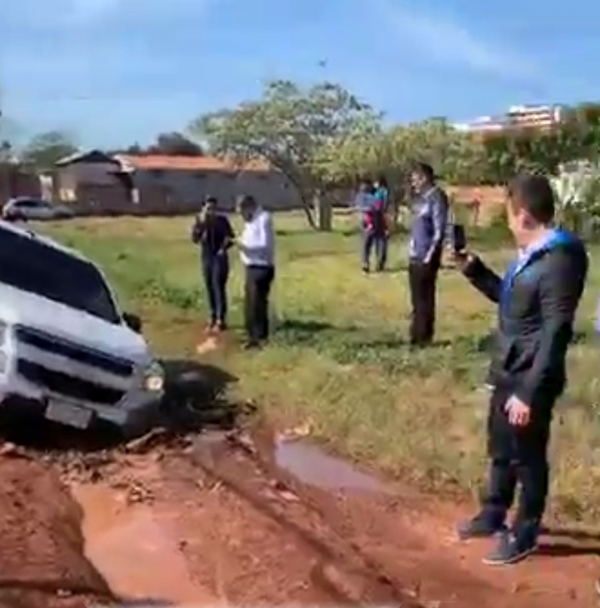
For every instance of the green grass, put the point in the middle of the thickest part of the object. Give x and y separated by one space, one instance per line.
338 359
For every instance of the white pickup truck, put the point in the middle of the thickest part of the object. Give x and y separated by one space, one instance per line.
66 350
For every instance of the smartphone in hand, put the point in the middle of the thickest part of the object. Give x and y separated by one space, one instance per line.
459 238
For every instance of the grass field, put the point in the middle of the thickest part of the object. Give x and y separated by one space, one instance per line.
338 358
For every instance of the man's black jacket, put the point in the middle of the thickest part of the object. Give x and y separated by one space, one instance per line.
537 302
215 236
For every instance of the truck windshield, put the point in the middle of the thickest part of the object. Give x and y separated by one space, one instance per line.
30 265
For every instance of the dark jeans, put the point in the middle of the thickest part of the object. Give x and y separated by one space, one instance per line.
216 272
256 301
379 242
517 456
422 282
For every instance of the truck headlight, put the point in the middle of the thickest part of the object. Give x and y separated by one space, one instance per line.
154 377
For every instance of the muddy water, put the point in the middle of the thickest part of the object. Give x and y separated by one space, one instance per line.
312 466
135 550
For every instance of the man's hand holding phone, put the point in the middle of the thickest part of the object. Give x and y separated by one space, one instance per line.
462 258
201 216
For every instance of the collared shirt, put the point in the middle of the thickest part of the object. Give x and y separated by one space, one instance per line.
524 255
257 241
430 218
539 243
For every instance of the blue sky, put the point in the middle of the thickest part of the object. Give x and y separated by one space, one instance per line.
112 72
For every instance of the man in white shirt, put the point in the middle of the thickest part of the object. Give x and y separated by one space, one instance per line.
257 249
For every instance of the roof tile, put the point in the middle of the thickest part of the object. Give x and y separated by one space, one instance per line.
188 163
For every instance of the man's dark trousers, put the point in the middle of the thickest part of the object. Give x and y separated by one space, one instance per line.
422 282
215 268
378 241
256 302
518 455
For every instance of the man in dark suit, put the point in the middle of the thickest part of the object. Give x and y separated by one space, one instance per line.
430 218
538 299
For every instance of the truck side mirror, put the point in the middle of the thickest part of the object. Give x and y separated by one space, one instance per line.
133 322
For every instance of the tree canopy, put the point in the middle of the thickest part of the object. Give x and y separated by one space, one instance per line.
169 144
45 149
291 127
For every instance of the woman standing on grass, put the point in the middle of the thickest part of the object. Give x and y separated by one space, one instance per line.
213 232
382 205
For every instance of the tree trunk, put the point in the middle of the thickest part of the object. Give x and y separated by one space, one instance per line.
323 208
309 212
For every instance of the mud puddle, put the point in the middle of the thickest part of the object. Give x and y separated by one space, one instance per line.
311 465
135 549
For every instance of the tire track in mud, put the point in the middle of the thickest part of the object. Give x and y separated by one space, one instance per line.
341 569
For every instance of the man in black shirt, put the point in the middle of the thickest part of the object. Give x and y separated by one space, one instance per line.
214 234
537 300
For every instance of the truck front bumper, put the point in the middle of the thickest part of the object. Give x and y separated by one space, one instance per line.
135 411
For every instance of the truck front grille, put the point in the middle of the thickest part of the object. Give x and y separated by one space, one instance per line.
70 386
43 341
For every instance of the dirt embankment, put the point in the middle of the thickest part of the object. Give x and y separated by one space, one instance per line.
41 548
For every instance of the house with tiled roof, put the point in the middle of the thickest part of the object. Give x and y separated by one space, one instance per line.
159 184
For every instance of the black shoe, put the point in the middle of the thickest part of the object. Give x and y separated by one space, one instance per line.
481 526
512 548
252 345
366 270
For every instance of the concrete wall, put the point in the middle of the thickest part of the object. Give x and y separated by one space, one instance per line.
70 177
184 189
94 188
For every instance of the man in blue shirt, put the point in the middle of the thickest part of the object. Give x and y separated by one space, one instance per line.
213 232
430 217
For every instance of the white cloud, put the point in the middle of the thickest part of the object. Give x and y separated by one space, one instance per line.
446 42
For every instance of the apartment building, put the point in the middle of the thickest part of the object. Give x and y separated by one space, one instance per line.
519 116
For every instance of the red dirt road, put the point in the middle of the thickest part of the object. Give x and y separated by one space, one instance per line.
213 521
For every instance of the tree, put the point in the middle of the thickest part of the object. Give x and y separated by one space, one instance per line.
292 128
134 150
577 188
174 144
44 150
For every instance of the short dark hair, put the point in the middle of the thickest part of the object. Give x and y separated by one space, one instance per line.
247 201
534 194
211 200
424 169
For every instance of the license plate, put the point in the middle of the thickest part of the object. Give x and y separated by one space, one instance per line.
66 413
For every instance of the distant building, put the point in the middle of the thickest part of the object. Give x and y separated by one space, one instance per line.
159 184
483 123
521 116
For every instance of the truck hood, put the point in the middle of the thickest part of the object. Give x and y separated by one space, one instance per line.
32 310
